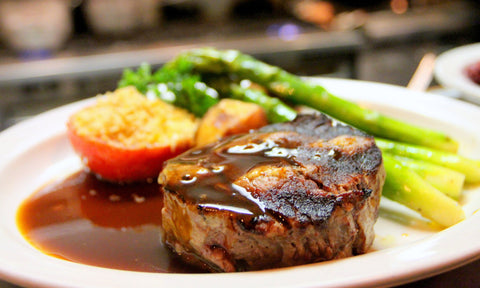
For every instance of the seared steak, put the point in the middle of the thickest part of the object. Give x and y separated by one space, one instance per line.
286 194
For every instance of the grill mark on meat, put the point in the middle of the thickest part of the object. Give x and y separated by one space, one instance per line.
310 177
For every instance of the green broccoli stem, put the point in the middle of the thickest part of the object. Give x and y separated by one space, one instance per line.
406 187
469 167
448 181
294 89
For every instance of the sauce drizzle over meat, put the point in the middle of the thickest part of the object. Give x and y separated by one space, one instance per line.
211 186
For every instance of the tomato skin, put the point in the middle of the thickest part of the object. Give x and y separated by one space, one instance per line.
122 164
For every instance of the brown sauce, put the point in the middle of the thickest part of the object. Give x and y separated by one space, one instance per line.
84 220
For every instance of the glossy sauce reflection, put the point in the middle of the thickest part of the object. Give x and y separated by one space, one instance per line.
88 221
212 171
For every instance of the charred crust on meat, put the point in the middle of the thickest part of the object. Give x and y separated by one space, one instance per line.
286 194
314 125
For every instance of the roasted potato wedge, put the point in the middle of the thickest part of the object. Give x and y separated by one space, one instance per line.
229 117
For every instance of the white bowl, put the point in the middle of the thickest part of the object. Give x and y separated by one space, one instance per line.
116 17
450 70
35 25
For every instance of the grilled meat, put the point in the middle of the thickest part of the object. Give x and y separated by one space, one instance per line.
287 194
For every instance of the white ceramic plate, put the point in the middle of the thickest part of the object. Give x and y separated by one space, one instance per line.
450 67
406 248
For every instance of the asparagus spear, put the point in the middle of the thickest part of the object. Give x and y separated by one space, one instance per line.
469 167
276 110
293 88
448 181
408 188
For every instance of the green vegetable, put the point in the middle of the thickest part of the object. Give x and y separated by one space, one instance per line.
141 79
177 86
295 89
469 167
448 181
182 82
276 110
408 188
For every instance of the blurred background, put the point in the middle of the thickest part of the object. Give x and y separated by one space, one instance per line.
54 52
